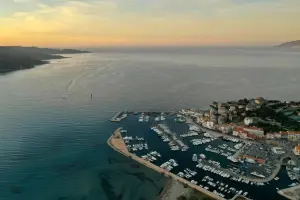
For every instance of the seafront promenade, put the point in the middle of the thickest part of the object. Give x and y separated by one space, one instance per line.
117 143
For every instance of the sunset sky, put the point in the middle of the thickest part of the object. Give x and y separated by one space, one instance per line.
148 22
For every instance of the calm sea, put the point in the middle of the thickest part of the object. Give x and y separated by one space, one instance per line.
53 135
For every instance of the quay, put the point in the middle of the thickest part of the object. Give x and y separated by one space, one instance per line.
118 117
291 193
117 143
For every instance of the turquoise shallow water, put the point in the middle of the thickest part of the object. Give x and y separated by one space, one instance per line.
53 136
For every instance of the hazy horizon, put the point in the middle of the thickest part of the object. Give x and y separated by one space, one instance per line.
91 23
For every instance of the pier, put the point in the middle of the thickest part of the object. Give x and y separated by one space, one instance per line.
118 117
117 143
291 193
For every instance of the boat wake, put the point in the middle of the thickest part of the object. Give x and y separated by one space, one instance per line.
72 83
84 72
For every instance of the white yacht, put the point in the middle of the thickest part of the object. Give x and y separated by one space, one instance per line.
202 156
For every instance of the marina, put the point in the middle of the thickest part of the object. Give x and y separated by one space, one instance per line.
207 162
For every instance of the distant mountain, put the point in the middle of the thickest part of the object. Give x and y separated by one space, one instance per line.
14 58
291 44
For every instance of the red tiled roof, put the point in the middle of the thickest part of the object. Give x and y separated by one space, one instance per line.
289 132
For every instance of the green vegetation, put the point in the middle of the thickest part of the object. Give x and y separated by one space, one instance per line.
17 58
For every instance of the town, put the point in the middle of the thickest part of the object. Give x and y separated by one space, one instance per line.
246 141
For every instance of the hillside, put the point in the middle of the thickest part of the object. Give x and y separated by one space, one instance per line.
291 44
14 58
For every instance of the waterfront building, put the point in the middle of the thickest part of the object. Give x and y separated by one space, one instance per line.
237 131
248 132
290 135
270 136
254 130
296 150
277 135
225 128
208 124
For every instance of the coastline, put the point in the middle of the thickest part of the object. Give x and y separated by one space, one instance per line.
16 58
291 193
116 142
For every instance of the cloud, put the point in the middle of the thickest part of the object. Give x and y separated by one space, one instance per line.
151 22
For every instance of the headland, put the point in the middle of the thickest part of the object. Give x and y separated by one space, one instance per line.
13 58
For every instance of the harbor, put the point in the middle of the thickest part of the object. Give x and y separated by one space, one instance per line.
193 156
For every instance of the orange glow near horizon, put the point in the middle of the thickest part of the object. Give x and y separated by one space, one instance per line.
115 23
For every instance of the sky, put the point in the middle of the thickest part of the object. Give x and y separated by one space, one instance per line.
93 23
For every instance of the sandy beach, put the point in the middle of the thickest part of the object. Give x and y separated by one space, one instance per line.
117 143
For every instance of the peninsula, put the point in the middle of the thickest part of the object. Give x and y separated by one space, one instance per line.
13 58
234 150
291 44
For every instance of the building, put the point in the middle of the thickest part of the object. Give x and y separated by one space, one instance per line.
213 111
259 100
251 106
232 108
242 107
239 132
248 121
207 114
248 132
225 128
283 134
296 150
208 124
270 136
290 135
222 110
254 130
277 135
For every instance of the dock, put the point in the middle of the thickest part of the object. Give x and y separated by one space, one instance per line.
291 193
119 116
117 143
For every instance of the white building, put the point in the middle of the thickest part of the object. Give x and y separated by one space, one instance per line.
248 121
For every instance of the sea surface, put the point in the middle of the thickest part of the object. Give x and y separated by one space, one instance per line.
53 135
